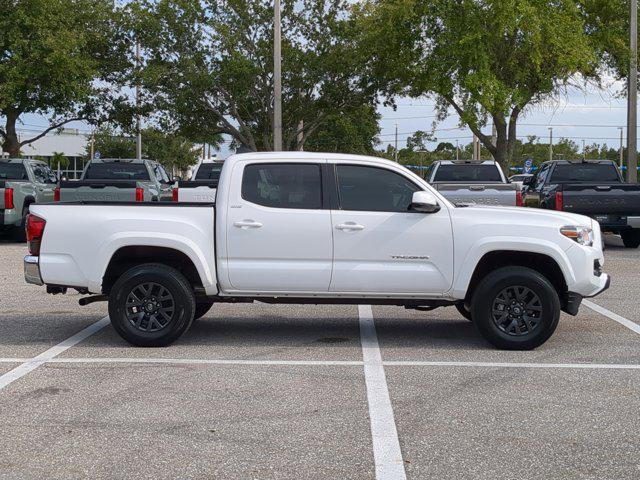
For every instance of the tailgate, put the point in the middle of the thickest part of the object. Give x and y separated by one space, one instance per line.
594 199
98 191
197 191
481 194
2 185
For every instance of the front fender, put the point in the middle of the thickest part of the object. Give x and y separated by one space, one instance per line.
465 268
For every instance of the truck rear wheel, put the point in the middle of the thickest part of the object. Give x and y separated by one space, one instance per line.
151 305
631 239
515 308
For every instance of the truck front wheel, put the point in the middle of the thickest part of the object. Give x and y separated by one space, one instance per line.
151 305
515 308
631 239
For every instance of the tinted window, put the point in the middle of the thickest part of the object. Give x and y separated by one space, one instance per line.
209 171
116 171
161 173
283 185
43 173
12 171
467 173
585 172
374 189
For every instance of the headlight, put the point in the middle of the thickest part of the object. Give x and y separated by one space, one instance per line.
582 235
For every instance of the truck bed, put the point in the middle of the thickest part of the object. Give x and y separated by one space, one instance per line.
199 191
495 194
599 198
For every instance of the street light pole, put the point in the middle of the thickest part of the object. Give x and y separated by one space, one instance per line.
632 96
584 152
550 143
277 78
138 123
621 145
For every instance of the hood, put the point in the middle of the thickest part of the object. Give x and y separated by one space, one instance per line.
535 214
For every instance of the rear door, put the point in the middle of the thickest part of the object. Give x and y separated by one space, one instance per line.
278 228
381 247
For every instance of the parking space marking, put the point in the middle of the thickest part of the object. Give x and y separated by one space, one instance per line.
579 366
613 316
386 445
33 363
206 361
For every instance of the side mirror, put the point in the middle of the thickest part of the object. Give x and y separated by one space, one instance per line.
424 202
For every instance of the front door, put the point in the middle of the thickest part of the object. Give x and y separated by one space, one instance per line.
278 229
382 247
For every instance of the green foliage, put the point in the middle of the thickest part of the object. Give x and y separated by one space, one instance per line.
56 57
209 68
488 59
171 150
58 159
350 131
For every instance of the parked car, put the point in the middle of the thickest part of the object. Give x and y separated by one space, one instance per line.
297 227
202 186
119 180
592 188
22 183
471 182
520 178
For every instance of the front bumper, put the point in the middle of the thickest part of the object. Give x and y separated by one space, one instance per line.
607 283
32 270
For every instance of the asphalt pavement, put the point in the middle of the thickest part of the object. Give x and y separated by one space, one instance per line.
258 391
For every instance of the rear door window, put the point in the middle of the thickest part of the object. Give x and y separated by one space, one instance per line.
584 172
283 185
117 171
12 171
467 173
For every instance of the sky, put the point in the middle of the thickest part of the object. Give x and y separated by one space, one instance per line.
592 115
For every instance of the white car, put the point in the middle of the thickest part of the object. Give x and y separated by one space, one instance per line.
301 227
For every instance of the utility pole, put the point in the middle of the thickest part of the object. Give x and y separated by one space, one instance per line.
395 151
584 153
621 145
300 135
93 143
277 78
550 143
457 149
632 95
138 123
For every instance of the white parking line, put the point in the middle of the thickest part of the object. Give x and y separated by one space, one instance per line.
207 361
613 316
386 446
30 365
578 366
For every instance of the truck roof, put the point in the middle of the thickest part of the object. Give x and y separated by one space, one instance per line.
119 160
297 156
12 160
579 161
466 162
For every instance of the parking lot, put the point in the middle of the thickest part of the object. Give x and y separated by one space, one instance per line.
344 392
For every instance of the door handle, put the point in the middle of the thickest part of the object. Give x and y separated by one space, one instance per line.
349 226
246 224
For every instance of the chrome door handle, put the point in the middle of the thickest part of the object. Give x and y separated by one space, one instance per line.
349 226
246 224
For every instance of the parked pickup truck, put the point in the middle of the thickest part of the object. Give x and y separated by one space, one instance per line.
202 186
593 188
470 182
22 183
119 180
316 228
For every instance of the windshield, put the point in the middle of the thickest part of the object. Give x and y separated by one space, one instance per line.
585 172
12 171
209 171
467 173
117 171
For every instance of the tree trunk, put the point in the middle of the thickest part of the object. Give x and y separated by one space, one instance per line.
11 144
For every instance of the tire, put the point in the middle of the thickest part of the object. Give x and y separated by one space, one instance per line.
202 308
631 239
531 308
164 321
19 234
464 312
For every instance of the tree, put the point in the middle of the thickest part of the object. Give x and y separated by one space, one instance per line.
483 59
350 131
170 149
209 66
59 160
58 59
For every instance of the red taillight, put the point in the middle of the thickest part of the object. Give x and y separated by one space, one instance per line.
8 198
139 194
175 195
519 200
35 229
559 201
56 194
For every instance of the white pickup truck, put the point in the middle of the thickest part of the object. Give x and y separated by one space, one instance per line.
314 228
